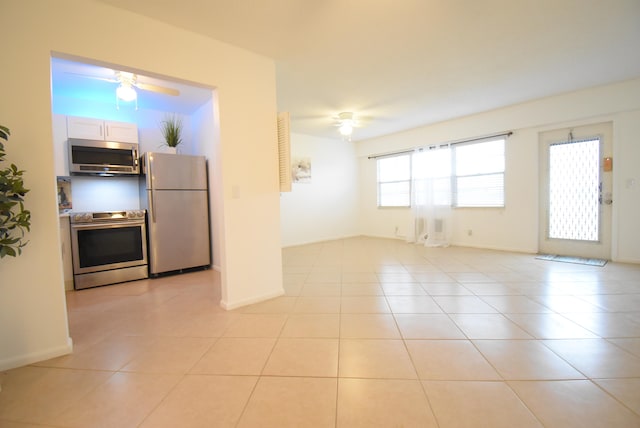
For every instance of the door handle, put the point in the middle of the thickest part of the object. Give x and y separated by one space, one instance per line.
148 179
607 199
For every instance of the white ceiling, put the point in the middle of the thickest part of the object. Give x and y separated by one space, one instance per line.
406 63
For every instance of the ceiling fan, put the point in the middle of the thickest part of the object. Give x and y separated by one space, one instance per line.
128 81
127 84
347 121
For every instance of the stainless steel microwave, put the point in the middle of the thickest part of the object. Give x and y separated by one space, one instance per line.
94 157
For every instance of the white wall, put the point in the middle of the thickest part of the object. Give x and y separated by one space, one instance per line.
325 208
33 324
205 142
626 186
515 227
65 105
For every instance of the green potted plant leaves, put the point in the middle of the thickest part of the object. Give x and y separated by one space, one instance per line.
171 128
14 218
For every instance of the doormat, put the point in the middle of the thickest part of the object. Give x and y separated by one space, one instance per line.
570 259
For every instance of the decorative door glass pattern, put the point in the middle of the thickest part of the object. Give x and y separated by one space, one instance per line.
574 190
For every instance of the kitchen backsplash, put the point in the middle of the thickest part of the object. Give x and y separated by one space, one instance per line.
105 193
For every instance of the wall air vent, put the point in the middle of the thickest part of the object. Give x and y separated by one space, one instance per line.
284 151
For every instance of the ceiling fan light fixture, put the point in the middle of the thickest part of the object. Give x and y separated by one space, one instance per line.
346 128
346 122
126 93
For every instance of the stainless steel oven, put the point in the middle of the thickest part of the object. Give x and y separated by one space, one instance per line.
108 247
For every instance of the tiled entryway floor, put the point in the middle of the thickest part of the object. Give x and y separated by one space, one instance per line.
371 332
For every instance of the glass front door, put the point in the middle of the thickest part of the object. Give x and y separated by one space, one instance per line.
575 192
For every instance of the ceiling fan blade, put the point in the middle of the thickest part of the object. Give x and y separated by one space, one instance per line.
155 88
106 79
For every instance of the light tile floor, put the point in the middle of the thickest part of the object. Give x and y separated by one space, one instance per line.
370 332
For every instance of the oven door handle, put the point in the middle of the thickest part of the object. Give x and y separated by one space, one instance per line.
106 225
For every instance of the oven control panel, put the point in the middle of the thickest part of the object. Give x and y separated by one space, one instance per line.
107 216
81 218
135 214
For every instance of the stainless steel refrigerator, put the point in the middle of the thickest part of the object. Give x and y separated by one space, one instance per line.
174 191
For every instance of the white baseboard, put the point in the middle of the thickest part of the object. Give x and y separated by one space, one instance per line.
318 241
244 302
34 357
454 244
630 261
496 248
396 237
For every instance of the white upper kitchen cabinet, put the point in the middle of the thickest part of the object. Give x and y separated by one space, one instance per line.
98 129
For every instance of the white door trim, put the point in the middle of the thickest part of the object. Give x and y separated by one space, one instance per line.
602 248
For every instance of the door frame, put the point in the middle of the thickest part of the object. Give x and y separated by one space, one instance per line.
602 248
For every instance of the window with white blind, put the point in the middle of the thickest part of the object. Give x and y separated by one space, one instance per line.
394 181
477 175
478 179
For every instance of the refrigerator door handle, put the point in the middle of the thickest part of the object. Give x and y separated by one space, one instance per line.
149 179
152 207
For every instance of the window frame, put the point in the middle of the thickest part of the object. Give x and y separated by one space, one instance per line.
409 180
455 177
